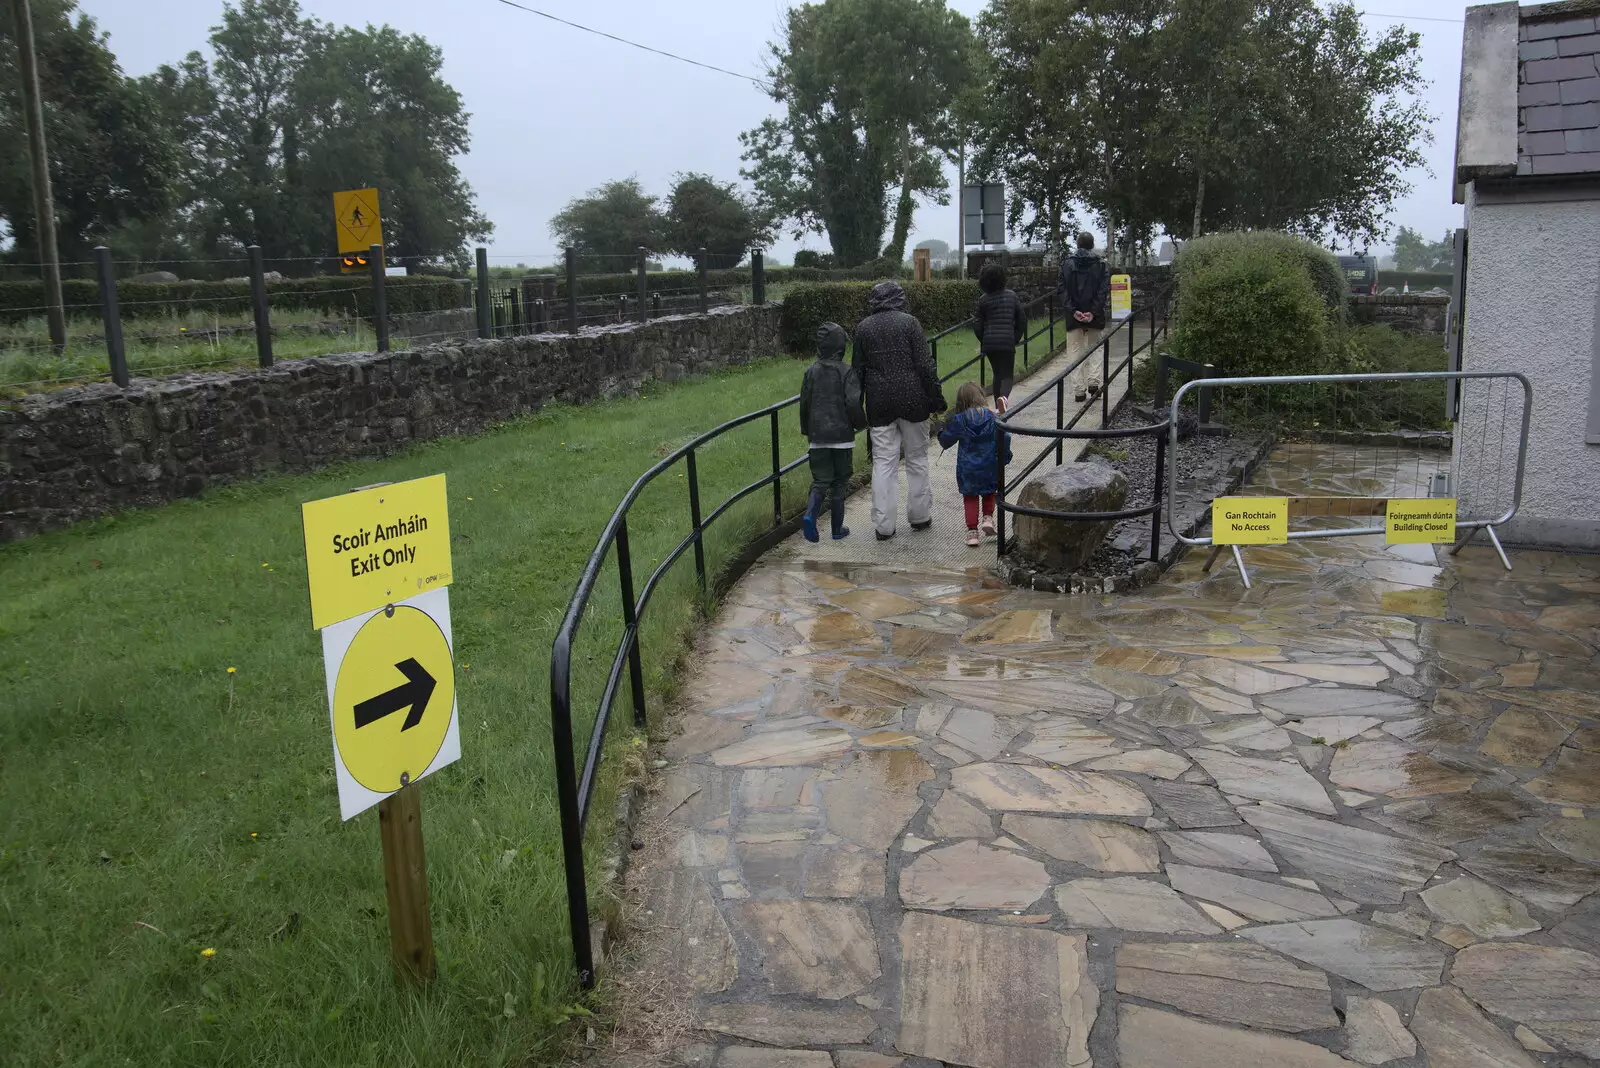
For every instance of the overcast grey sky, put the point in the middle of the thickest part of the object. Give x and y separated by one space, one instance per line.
556 111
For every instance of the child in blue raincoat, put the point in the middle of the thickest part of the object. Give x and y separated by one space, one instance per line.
974 429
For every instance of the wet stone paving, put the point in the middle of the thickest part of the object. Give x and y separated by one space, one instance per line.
916 817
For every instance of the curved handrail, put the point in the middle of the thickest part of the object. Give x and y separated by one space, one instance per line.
1067 430
574 792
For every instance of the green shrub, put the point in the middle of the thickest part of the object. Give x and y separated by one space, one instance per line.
1319 264
20 301
1260 304
937 304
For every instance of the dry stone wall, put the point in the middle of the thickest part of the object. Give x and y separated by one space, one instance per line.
88 451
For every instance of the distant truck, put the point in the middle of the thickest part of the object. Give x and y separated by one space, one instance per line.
1360 274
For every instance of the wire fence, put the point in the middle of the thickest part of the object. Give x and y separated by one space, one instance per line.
126 318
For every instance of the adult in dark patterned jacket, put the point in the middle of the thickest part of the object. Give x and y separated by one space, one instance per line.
897 374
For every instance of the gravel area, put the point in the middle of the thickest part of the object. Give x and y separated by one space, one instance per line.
1209 465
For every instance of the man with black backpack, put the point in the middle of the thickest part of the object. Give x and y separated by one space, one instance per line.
1082 293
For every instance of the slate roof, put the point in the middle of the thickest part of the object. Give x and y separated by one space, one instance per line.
1558 92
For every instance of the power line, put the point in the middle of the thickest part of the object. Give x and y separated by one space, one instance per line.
623 40
1408 18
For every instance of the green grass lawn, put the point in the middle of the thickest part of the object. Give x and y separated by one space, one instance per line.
166 345
154 806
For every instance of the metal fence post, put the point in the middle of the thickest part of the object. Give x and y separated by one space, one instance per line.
112 317
1205 396
380 299
777 475
258 297
572 290
758 276
655 304
485 323
1131 321
933 347
517 318
630 618
1061 413
1161 381
571 829
705 294
644 285
1052 299
694 517
1161 478
1000 493
1105 383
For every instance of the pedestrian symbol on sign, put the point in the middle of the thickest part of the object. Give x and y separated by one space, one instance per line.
360 225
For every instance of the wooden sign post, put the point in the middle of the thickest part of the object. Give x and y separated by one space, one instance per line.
378 560
405 873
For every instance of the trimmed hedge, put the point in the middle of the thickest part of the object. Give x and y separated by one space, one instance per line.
1260 303
610 285
1319 265
333 295
937 304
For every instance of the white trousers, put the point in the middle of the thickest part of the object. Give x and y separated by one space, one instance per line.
888 443
1078 343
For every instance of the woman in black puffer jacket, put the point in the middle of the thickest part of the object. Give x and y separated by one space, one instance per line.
1001 324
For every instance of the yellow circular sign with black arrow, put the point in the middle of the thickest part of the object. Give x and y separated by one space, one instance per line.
394 698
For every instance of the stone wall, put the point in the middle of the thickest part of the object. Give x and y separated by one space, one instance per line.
88 451
1416 313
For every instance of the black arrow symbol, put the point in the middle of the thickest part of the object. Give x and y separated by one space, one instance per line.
415 692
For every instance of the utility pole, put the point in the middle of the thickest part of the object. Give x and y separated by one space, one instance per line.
961 207
44 212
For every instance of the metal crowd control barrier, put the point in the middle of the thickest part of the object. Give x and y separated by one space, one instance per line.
575 794
1307 506
1066 429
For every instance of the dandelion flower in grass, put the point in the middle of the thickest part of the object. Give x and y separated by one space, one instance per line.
233 671
208 953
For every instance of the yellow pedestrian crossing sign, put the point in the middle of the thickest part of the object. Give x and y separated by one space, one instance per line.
360 226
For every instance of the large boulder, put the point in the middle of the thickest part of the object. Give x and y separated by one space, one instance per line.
1060 545
155 276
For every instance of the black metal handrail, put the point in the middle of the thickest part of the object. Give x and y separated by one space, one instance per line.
1067 429
575 793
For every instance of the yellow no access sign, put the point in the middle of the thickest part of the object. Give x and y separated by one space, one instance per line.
1250 521
359 224
391 698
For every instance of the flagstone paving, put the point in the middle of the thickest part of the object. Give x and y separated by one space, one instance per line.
916 818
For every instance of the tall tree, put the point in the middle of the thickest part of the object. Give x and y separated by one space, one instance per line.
110 158
704 213
289 111
1198 114
609 224
1413 252
369 108
868 87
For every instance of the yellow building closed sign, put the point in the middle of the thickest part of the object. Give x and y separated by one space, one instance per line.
1250 521
1421 521
376 546
1121 296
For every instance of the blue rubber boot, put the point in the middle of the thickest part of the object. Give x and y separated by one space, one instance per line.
808 522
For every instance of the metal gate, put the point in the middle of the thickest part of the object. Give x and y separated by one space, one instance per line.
1479 472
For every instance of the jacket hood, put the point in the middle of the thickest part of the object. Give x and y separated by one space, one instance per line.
887 296
831 341
972 423
1086 255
